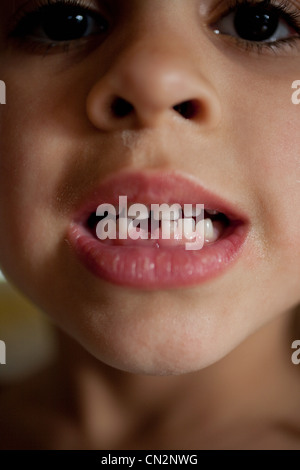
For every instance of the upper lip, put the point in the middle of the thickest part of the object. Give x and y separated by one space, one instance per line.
155 187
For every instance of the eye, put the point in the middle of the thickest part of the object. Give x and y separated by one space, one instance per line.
60 22
260 22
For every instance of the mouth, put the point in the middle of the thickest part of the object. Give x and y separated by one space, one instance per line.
152 260
158 230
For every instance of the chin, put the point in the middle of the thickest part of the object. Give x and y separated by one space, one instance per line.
157 355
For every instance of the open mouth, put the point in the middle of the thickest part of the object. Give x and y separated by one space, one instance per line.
149 251
159 229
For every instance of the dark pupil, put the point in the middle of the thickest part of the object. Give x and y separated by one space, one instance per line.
63 24
255 23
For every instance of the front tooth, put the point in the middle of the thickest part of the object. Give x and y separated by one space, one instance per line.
122 227
168 229
138 212
187 227
165 212
138 231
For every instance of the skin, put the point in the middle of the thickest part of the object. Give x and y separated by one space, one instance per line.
231 336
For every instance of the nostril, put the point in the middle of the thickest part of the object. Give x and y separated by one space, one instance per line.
121 108
187 109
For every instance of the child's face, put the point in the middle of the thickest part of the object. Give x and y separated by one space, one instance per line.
60 138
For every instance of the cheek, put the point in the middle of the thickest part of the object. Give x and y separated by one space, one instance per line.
268 148
278 182
278 186
29 165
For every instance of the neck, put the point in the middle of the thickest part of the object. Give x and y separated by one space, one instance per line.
258 371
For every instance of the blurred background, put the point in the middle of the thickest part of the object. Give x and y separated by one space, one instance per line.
28 336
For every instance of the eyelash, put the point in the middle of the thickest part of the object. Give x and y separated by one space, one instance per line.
35 8
284 9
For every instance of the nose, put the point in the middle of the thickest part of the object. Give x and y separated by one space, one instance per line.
144 86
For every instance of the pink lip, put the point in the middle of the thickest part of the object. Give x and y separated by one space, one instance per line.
147 267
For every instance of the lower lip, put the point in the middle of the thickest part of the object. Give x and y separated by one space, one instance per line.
156 268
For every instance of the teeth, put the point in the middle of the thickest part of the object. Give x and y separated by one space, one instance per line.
166 212
138 212
169 229
176 223
190 211
126 228
208 229
122 228
210 233
134 232
187 227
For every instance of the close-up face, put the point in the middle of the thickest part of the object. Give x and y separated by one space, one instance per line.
162 101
